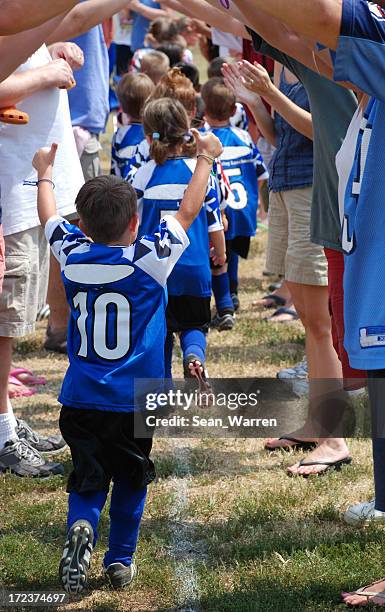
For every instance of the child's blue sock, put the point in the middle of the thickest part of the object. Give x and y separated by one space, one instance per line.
221 290
193 341
86 506
126 510
232 270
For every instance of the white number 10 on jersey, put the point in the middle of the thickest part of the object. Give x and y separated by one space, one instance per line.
99 311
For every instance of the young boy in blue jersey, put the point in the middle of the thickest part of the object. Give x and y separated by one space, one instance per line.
129 146
115 287
243 167
160 186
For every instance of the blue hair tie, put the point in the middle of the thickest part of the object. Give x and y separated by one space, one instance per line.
155 136
188 137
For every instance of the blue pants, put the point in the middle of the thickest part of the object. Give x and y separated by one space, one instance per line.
126 510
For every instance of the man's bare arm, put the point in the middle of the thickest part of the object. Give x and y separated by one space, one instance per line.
15 50
319 20
85 16
200 9
20 15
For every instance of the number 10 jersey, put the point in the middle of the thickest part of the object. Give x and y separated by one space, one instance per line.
117 298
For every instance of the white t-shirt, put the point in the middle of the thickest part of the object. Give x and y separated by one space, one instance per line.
50 122
345 158
122 31
226 42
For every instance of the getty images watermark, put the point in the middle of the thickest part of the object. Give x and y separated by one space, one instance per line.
188 401
246 407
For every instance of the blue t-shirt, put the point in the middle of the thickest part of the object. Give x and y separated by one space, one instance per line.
117 298
140 25
360 60
160 190
243 166
291 166
89 103
130 150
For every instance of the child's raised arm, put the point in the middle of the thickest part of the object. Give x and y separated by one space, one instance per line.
208 149
46 203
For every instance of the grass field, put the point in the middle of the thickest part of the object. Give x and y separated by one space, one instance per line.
224 528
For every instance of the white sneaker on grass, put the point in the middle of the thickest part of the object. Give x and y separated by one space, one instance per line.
363 514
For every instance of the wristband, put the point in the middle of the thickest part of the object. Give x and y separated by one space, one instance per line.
209 159
36 183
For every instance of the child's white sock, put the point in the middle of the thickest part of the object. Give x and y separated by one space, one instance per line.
7 429
10 412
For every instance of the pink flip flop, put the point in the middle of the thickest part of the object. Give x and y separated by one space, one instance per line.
30 379
22 392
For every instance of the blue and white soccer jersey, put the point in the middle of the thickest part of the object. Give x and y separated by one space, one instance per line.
244 167
118 300
239 119
160 190
360 59
130 150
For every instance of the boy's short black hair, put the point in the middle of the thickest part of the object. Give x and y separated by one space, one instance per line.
191 72
106 205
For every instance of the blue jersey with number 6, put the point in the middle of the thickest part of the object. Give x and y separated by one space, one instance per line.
244 167
118 300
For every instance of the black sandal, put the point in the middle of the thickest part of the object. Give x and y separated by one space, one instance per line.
298 445
330 465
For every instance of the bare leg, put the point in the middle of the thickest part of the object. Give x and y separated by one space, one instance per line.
323 365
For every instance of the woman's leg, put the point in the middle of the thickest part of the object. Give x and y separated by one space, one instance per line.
312 304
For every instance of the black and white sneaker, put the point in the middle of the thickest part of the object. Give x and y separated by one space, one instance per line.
223 323
19 458
50 445
119 575
76 560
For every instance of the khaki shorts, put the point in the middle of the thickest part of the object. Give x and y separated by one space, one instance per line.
25 282
290 253
90 160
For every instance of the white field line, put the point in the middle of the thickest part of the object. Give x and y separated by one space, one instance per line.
182 535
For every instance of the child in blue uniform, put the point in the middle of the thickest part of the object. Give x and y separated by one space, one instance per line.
243 167
129 146
160 186
115 287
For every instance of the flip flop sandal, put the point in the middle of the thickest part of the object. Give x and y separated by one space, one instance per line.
276 300
23 392
33 381
298 445
330 465
280 311
360 592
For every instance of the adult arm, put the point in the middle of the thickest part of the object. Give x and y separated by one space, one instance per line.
147 11
200 9
15 50
19 15
85 16
22 85
319 20
257 80
263 119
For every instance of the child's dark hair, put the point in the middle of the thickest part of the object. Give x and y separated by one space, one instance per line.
165 120
177 86
219 100
106 205
133 91
214 69
191 72
174 52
